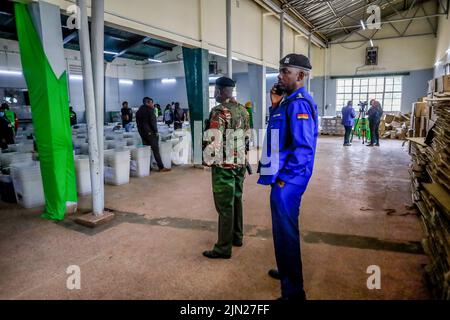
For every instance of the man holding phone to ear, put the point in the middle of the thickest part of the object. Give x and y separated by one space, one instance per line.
287 164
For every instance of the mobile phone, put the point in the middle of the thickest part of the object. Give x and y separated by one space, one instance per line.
279 90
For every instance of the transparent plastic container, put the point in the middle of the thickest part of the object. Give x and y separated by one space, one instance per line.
83 175
27 181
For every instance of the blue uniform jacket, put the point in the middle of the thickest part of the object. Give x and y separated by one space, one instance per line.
348 114
289 152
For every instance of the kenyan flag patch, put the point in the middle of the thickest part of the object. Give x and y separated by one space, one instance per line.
302 116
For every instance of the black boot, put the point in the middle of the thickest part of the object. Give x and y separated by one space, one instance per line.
215 255
273 273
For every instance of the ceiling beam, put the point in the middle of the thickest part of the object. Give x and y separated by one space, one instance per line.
298 27
383 38
70 37
130 47
339 19
159 46
351 12
387 21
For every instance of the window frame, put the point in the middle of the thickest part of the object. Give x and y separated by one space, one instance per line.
365 88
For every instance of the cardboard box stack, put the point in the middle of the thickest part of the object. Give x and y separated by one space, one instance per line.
395 126
332 126
430 184
419 119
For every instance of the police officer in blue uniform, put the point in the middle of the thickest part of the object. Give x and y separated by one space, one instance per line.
287 164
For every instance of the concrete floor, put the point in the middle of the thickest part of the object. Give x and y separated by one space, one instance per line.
152 250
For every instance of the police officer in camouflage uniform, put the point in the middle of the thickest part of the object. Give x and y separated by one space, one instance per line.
226 154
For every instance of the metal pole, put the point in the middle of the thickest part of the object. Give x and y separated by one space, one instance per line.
98 43
382 22
325 82
229 48
309 57
281 34
89 101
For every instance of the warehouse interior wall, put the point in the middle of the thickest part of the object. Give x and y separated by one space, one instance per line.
201 23
442 47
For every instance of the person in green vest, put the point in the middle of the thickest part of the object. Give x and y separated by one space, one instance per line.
249 107
10 115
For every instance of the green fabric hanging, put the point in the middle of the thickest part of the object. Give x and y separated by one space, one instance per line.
50 111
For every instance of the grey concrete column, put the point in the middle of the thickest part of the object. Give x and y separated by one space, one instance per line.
98 68
257 76
281 35
229 41
89 99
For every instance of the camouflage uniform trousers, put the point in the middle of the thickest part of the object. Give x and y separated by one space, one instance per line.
228 187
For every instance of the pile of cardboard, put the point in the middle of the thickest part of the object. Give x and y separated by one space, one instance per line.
332 126
395 126
430 183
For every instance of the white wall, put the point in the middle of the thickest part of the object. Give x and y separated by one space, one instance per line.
201 23
394 55
443 45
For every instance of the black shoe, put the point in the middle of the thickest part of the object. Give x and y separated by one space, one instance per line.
215 255
273 273
237 243
370 145
377 144
299 297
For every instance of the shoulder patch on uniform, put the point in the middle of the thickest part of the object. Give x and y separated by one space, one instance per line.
302 116
299 96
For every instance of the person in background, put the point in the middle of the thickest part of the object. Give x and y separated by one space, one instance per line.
348 116
73 116
158 111
249 107
375 113
6 130
148 129
127 116
179 116
168 115
11 116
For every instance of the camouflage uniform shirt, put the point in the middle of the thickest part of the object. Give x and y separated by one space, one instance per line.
228 123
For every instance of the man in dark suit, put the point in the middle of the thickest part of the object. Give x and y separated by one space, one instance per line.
148 129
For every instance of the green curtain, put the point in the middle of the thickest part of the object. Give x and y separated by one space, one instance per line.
50 111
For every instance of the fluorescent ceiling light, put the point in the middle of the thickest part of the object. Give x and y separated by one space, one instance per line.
13 73
362 24
127 82
223 55
168 80
371 42
213 78
218 54
110 52
154 60
270 75
75 77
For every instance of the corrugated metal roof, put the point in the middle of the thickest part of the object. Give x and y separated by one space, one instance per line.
334 18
